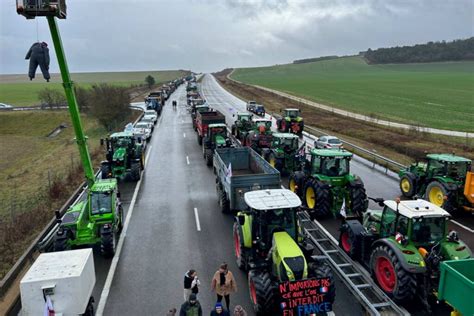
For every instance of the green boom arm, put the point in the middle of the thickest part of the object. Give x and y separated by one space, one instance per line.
72 102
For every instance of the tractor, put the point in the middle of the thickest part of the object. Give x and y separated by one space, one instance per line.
403 246
444 180
291 121
242 125
216 137
124 156
285 154
327 187
261 135
195 110
96 220
268 245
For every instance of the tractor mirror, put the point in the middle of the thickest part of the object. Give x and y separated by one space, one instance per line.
241 219
58 216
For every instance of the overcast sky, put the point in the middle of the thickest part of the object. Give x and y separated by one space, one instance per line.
209 35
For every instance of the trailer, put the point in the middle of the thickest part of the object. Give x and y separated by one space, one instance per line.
240 170
203 119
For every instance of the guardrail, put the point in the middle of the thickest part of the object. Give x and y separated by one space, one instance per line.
41 242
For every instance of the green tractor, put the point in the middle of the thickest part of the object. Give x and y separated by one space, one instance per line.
124 157
327 187
242 125
96 220
260 137
291 122
269 245
403 246
444 180
285 154
216 137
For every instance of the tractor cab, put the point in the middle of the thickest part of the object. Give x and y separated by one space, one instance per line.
286 141
217 133
451 166
263 125
291 114
329 163
244 117
33 8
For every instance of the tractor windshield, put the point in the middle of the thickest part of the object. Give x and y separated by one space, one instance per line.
457 169
120 142
292 113
279 220
289 143
335 167
244 118
428 229
219 131
100 203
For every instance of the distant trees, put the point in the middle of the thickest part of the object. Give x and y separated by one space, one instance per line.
422 53
52 98
150 81
311 60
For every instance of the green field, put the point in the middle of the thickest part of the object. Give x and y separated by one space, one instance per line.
19 91
439 95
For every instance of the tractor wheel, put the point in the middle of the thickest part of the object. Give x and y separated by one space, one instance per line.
241 254
436 193
273 161
104 171
408 185
223 201
262 292
199 139
60 244
135 171
390 276
209 157
358 198
108 244
120 220
318 198
323 270
347 241
296 182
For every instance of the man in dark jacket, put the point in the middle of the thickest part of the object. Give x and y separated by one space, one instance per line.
191 307
39 55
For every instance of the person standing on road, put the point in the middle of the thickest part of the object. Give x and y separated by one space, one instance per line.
219 310
239 311
195 284
188 283
191 307
223 283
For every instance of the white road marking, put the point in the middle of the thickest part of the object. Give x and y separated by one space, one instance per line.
148 155
184 135
113 266
463 226
198 224
187 160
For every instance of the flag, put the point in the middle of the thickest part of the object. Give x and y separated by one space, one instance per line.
324 289
228 173
398 238
48 307
342 211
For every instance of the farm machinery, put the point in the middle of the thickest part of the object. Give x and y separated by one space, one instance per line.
97 218
261 136
444 179
403 246
269 246
327 187
285 154
124 157
291 121
242 125
216 137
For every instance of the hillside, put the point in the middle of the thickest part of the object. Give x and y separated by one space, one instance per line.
438 95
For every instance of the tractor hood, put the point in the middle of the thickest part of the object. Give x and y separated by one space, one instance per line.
119 154
293 264
220 141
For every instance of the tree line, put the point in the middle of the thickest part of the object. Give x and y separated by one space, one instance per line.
312 60
462 49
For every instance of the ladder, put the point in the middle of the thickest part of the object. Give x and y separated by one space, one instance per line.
354 276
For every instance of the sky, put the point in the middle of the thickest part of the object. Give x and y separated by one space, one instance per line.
210 35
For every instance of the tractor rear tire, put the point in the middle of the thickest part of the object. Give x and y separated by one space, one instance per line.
358 198
347 242
262 292
120 219
241 253
408 185
199 139
209 157
104 171
323 270
390 276
273 161
321 194
135 171
223 201
296 182
108 244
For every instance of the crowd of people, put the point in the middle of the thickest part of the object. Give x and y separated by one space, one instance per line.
223 285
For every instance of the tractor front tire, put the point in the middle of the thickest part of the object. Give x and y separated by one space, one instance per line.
347 242
408 185
262 292
223 201
318 199
104 171
296 182
323 270
209 158
135 171
241 254
390 276
358 198
108 244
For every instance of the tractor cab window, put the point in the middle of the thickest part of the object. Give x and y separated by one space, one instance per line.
316 165
428 229
402 225
101 203
244 118
218 131
289 143
278 220
387 225
436 167
292 113
457 169
121 142
335 167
